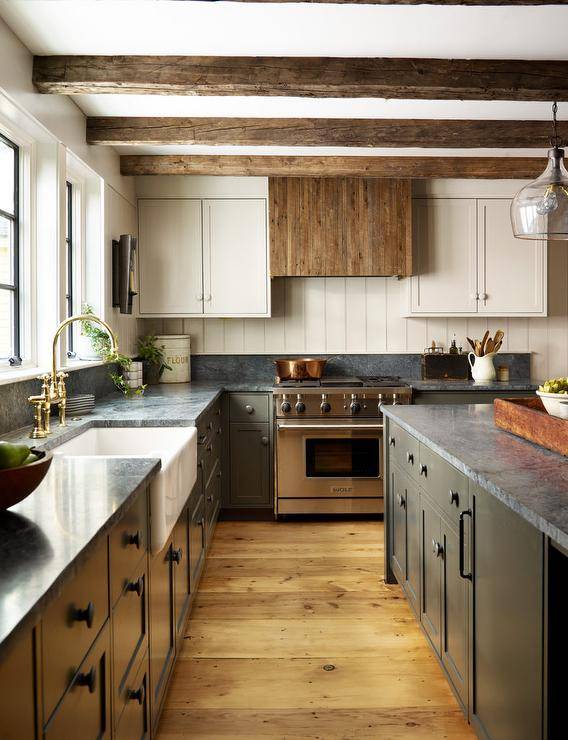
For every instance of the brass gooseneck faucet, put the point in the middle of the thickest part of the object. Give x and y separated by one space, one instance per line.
53 384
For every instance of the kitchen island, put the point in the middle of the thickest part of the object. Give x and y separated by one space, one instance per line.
476 529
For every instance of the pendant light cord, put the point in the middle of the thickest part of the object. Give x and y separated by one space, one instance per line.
555 140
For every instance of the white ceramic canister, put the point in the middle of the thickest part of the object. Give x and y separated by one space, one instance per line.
482 368
177 356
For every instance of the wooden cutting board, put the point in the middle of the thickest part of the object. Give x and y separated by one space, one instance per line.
527 418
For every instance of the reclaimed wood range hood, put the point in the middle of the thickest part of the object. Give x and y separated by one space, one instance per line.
340 226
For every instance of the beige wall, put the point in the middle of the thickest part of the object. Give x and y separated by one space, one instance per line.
363 315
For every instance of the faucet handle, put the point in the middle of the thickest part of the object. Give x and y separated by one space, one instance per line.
61 375
45 378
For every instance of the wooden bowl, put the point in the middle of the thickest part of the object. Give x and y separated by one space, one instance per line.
17 483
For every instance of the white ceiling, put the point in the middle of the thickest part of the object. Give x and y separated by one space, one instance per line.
252 29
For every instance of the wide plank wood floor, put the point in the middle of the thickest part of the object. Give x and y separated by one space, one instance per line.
279 604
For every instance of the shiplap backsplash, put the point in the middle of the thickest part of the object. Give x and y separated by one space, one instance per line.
363 315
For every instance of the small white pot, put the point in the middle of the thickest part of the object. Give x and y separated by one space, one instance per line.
482 368
555 403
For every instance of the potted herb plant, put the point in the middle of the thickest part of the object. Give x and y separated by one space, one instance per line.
153 359
121 364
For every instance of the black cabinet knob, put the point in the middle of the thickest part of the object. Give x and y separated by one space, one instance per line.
437 548
249 409
135 539
392 441
424 470
136 586
209 499
264 441
400 500
177 555
85 615
87 679
410 458
139 695
454 497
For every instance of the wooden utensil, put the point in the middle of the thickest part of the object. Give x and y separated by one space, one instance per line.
485 338
489 346
478 347
497 347
499 334
471 343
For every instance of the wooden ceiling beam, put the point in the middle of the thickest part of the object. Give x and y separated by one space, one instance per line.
379 132
316 77
328 166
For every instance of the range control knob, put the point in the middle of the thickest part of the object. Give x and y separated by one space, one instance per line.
285 407
300 405
325 406
355 406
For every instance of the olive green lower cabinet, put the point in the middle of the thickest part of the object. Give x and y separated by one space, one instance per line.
249 456
472 570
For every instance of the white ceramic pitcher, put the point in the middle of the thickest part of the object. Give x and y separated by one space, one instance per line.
482 368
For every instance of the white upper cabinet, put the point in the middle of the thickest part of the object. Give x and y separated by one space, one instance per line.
170 257
445 256
469 263
203 257
235 260
511 271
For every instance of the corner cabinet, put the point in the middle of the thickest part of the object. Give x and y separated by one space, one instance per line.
203 257
468 263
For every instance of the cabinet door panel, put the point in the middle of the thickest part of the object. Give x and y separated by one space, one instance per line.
430 609
235 256
454 614
398 508
511 271
197 542
181 570
17 688
446 255
162 623
250 464
507 665
170 256
134 721
412 583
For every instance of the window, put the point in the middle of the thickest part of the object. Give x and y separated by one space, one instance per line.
70 265
10 349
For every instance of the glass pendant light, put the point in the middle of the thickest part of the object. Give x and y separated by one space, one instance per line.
540 209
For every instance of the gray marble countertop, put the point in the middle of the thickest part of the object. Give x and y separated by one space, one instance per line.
471 385
525 477
46 537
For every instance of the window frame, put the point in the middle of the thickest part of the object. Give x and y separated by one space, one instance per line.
70 263
15 360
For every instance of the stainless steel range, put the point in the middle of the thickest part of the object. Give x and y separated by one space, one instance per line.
329 453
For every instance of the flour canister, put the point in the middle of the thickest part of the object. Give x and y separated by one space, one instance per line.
176 355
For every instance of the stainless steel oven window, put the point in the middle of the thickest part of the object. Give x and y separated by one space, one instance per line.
342 457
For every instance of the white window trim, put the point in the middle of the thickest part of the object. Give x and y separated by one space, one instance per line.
27 250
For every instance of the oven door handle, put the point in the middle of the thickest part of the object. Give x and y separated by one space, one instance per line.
348 427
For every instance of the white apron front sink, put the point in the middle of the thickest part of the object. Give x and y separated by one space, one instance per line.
169 490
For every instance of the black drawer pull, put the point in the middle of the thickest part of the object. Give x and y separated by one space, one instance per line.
177 555
437 548
410 458
139 695
392 441
400 499
463 574
249 409
136 586
88 679
85 615
454 497
209 498
424 470
135 539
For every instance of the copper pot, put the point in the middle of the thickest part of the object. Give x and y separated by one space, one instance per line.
299 369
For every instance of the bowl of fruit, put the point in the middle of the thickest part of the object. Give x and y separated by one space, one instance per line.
554 396
22 469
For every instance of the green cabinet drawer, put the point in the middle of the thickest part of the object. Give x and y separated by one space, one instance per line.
404 450
127 544
445 485
71 624
245 407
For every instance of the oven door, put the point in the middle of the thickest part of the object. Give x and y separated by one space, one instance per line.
329 460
